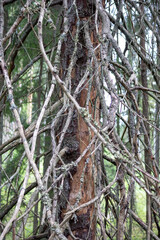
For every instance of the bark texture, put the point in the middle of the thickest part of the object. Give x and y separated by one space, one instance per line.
147 151
79 186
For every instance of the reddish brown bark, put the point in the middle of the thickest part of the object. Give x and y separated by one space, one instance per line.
81 184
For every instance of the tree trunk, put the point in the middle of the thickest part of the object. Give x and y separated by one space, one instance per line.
123 205
157 145
147 152
1 127
2 101
157 113
79 186
35 221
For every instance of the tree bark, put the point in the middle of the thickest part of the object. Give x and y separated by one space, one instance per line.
38 147
79 186
123 205
147 152
157 144
1 134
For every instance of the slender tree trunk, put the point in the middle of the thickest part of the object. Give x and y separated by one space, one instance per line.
130 217
157 135
157 145
157 114
2 105
147 152
2 102
1 127
38 147
123 205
